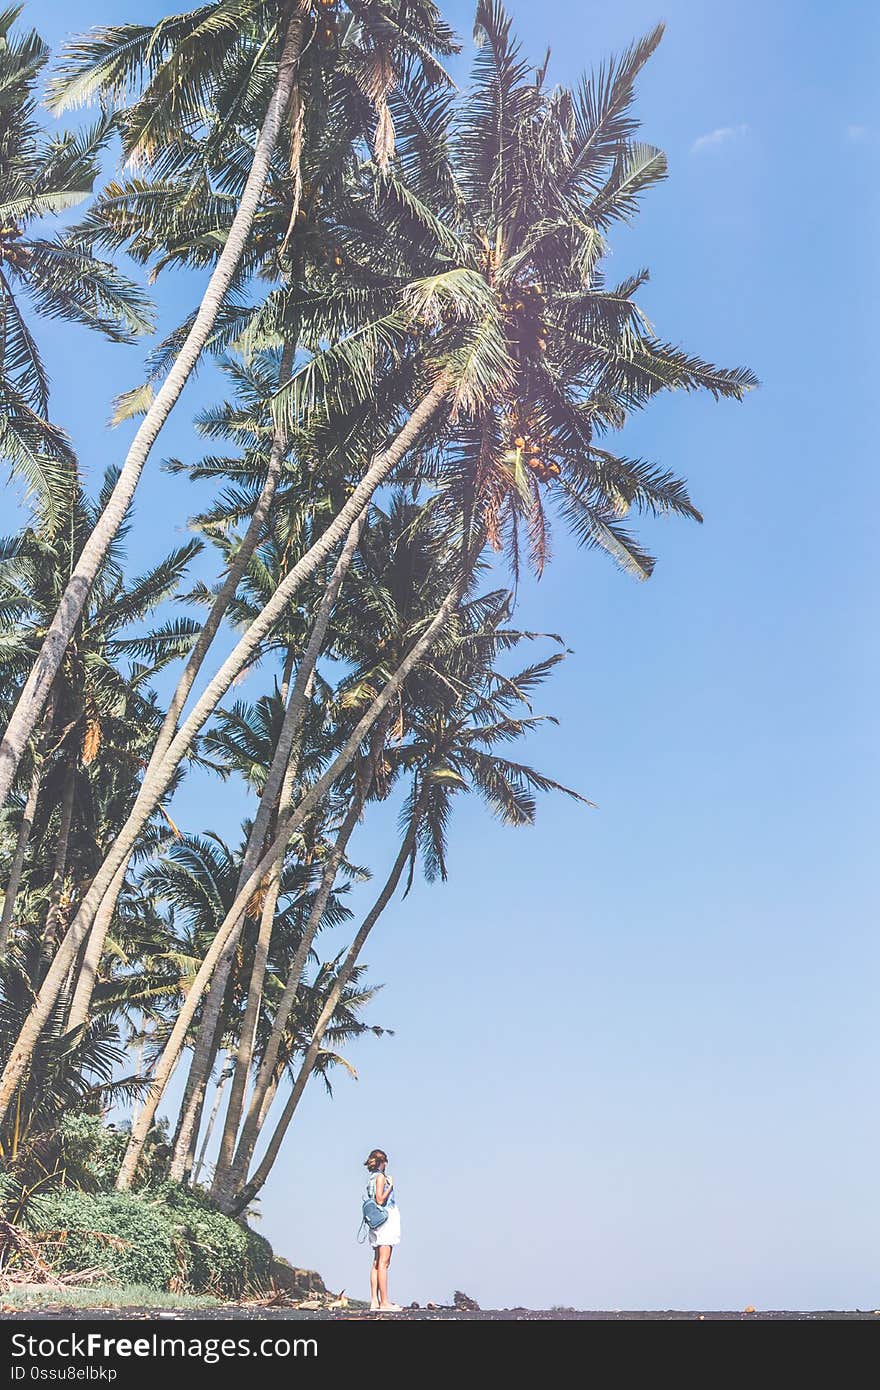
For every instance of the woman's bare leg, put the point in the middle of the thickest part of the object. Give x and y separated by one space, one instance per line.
384 1253
374 1282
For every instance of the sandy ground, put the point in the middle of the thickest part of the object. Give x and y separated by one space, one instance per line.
236 1312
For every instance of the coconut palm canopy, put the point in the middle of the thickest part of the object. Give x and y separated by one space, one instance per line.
424 364
46 275
498 211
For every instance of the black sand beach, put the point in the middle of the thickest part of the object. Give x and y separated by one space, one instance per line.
237 1312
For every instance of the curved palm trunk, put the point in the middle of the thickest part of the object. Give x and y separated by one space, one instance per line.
224 1175
82 998
269 1098
138 1063
59 868
21 847
212 1119
288 825
84 989
38 683
208 1037
189 1118
280 770
244 1052
253 1186
29 811
151 792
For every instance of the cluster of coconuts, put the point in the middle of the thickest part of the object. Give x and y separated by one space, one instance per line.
532 450
334 253
528 309
9 252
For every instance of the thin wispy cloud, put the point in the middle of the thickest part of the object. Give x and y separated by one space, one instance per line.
721 136
863 134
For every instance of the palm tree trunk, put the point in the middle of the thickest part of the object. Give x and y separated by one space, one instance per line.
203 1056
250 1023
268 1098
33 696
88 971
21 846
253 1186
288 825
186 1134
138 1062
215 1108
82 998
225 1170
247 1037
151 793
59 868
207 1044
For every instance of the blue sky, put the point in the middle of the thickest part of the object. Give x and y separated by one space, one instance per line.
636 1048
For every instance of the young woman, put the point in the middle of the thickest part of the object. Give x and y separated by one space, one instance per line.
380 1187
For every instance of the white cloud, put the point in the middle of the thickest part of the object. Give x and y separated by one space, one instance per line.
718 137
862 134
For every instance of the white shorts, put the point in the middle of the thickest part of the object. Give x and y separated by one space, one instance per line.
389 1232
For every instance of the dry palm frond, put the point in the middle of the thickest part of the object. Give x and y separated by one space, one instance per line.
91 741
27 1257
174 829
257 902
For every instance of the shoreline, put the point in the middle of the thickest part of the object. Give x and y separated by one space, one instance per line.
251 1313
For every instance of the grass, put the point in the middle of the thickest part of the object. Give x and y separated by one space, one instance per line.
102 1296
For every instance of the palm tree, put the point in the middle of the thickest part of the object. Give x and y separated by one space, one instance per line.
158 221
185 62
43 177
88 920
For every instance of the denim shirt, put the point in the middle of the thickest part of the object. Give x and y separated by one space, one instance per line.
370 1193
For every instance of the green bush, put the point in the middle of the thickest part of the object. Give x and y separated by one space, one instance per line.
9 1193
223 1257
91 1151
143 1253
168 1238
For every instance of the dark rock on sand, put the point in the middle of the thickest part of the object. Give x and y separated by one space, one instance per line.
463 1303
298 1283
